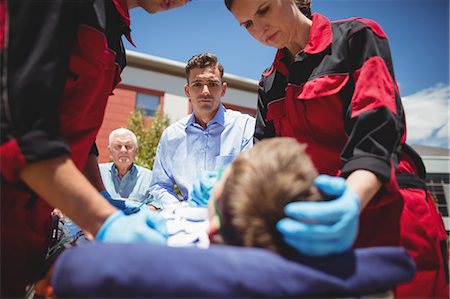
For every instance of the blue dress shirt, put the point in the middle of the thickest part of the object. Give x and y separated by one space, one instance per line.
186 150
133 185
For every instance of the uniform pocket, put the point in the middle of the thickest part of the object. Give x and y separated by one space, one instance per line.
318 107
90 80
276 112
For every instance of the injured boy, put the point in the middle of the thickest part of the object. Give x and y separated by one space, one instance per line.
246 199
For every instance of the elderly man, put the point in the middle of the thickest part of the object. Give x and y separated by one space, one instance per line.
122 178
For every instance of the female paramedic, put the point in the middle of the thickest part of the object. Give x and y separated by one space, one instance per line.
60 60
332 86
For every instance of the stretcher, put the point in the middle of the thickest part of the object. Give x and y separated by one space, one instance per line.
154 271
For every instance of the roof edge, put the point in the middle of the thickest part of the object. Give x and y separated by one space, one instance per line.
176 68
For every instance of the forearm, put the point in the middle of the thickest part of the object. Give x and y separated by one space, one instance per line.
365 184
60 183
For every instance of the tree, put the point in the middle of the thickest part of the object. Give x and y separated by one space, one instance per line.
148 132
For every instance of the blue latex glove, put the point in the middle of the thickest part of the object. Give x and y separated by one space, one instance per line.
127 206
143 226
202 188
322 228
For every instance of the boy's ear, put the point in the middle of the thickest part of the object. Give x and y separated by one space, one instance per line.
214 232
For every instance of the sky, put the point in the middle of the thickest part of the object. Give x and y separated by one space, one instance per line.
418 32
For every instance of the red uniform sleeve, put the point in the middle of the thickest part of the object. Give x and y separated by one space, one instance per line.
38 39
374 120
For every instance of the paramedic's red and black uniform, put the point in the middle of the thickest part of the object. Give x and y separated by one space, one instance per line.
340 97
60 62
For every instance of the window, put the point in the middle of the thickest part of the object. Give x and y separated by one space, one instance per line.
148 102
437 183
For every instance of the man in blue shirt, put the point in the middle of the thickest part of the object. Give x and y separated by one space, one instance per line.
122 178
205 140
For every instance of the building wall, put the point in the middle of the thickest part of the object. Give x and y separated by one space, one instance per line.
175 106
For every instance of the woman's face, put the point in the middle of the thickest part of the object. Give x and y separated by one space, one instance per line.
271 22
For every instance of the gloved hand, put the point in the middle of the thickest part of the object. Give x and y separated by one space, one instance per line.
202 188
143 226
321 228
127 206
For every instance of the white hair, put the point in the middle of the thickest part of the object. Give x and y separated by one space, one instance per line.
122 132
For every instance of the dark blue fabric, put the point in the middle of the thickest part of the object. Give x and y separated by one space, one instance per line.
142 270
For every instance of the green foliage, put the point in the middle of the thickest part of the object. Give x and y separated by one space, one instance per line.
147 135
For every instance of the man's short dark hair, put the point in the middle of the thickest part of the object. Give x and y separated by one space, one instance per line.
201 61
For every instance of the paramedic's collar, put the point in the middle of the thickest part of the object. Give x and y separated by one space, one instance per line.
219 118
122 8
320 38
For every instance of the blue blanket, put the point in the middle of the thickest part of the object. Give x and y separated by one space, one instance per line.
142 270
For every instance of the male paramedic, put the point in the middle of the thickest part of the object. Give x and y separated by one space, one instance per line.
60 60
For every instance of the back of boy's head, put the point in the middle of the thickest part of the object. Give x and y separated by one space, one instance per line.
261 182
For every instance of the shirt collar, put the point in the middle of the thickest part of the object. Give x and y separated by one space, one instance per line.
219 118
320 37
132 170
122 8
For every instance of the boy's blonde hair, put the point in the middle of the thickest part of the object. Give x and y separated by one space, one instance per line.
261 182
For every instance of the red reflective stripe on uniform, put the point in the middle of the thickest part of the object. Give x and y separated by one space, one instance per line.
12 160
374 87
3 24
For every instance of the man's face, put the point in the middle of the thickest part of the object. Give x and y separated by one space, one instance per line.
123 150
153 6
204 90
